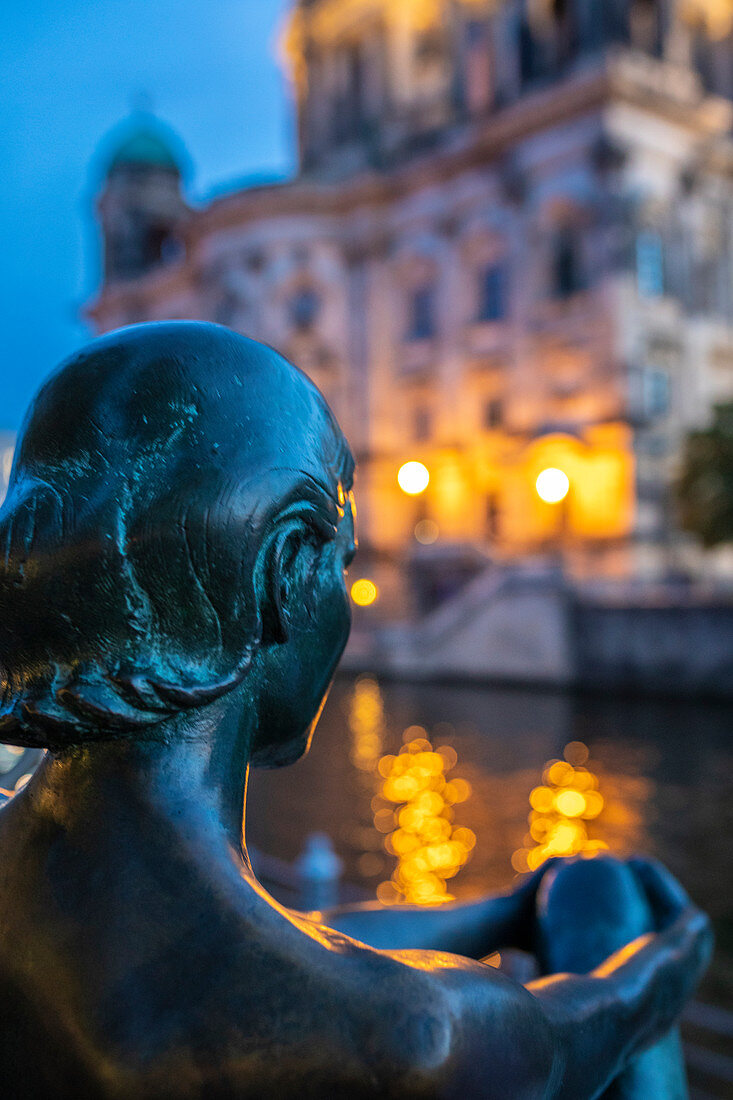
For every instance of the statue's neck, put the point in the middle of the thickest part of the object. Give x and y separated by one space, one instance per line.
194 778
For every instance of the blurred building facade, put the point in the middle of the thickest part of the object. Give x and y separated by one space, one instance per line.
509 246
7 448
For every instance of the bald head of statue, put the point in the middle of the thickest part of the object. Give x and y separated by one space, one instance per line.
175 487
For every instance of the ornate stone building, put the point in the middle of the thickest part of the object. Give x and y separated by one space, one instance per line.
508 247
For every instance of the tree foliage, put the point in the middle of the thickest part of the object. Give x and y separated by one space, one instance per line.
704 487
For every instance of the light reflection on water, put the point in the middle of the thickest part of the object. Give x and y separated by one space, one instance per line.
519 775
413 802
413 805
663 769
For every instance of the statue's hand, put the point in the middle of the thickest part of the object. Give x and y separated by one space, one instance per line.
668 900
676 915
525 898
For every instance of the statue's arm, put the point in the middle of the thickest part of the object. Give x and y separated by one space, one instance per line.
600 1021
473 929
565 1037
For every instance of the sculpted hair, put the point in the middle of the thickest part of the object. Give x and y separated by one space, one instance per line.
156 474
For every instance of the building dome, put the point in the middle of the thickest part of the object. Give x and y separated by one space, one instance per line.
142 141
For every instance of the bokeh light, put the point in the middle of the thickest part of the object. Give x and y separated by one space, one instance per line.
553 485
417 799
562 808
366 722
364 592
413 478
427 532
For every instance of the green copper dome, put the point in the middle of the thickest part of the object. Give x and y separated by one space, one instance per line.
143 141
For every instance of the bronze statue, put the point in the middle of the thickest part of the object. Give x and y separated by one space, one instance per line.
172 609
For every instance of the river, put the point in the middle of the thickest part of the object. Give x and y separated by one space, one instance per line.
425 791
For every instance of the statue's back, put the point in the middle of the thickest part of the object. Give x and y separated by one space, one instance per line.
123 975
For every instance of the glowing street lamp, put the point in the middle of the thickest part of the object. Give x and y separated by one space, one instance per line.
413 478
552 485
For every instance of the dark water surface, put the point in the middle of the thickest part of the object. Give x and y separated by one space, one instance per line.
663 769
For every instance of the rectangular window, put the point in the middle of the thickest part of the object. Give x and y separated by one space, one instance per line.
421 324
568 277
492 304
493 516
354 100
422 425
478 66
649 265
657 393
493 414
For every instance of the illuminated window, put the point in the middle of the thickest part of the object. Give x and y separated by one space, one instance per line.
649 264
493 293
421 324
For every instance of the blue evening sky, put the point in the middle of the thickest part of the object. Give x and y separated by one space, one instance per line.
69 71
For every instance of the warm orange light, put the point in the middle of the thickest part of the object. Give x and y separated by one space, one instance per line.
570 803
364 592
561 810
429 850
715 15
552 485
413 478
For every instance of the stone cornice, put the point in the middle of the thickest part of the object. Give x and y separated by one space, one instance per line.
623 77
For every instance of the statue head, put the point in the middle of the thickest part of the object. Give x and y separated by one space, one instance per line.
177 524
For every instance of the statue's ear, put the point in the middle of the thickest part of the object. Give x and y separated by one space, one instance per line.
286 563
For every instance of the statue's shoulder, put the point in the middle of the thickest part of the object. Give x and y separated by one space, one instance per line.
393 1002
